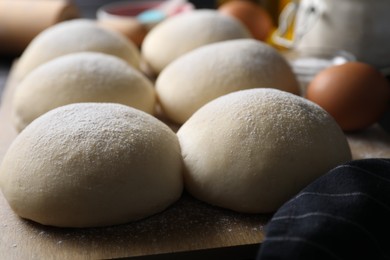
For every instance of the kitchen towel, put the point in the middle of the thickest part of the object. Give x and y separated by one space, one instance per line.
344 214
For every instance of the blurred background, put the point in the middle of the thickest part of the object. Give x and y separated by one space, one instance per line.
311 34
88 8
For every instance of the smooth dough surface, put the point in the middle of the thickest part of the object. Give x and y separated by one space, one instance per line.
75 36
217 69
92 164
80 77
185 32
252 150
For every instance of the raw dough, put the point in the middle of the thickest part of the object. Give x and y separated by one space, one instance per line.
92 164
80 77
184 32
217 69
75 36
252 150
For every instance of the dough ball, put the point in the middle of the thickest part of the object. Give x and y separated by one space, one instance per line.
92 164
80 77
217 69
252 150
184 32
75 36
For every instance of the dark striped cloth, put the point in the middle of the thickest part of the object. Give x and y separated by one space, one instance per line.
344 214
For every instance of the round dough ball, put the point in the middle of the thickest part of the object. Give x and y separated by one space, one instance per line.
92 164
80 77
252 150
185 32
217 69
75 36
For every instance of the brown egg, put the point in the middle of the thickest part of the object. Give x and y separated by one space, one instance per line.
354 93
253 16
129 27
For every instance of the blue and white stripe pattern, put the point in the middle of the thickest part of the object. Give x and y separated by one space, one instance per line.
344 214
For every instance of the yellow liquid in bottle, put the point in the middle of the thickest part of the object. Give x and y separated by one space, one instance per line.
288 33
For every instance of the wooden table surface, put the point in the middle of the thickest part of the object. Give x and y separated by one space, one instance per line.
188 225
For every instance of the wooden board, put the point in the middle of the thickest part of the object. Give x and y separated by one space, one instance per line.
188 225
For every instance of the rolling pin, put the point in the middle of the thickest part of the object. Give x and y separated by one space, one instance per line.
22 20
